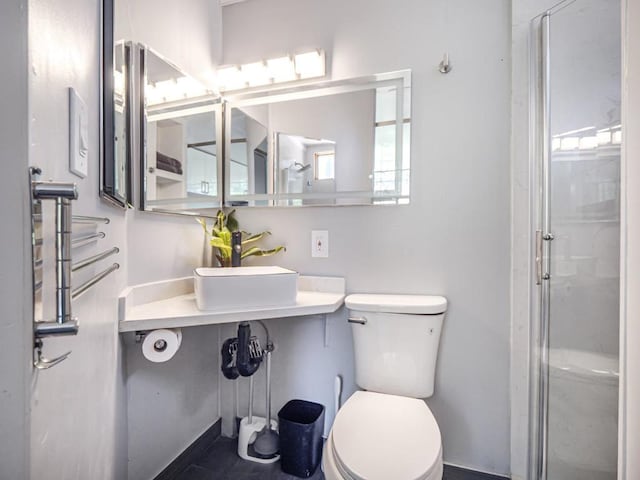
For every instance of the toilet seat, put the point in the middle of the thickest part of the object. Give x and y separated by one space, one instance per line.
380 436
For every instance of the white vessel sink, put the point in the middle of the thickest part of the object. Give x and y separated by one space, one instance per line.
244 287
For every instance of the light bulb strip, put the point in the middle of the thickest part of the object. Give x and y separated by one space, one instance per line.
282 69
173 89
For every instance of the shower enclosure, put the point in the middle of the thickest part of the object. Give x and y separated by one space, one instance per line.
575 152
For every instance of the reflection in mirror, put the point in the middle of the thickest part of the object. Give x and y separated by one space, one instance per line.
334 143
122 145
248 151
115 146
305 165
179 151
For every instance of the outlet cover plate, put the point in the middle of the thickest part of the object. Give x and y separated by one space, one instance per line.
320 243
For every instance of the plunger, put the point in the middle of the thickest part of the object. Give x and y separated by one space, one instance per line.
267 442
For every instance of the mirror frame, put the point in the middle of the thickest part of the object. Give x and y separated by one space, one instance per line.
107 113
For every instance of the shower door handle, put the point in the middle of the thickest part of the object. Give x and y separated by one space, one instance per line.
538 257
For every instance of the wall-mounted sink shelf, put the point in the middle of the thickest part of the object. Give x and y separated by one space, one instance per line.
172 304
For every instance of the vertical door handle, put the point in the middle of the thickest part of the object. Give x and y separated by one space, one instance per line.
538 257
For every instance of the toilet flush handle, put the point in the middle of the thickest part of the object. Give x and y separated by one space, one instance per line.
360 320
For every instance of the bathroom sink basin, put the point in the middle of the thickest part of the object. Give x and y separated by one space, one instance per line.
244 287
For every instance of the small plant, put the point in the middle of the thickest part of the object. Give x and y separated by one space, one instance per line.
220 235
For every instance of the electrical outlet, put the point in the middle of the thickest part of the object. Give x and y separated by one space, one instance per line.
320 243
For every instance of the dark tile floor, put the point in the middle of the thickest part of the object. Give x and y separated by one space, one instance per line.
221 462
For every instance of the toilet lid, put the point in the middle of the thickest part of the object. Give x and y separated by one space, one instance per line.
379 436
413 304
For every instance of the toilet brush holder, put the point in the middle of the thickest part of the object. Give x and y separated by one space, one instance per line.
247 435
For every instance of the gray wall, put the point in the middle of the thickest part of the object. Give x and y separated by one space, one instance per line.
78 423
454 237
15 254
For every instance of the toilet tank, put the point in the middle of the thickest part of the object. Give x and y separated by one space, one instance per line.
396 339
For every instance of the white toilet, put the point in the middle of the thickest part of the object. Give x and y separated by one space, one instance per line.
386 432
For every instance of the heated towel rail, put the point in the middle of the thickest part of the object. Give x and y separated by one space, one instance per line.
64 323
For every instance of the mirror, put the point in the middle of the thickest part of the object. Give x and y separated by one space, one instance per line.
182 122
332 143
115 91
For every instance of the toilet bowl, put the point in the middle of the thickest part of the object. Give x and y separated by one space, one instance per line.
387 431
376 436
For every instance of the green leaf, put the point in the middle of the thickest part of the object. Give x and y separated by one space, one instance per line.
232 223
258 252
219 243
225 236
220 222
254 238
203 222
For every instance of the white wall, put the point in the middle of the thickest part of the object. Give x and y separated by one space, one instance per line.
187 33
169 405
15 254
454 237
78 423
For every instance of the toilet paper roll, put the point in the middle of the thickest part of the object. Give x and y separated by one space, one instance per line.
161 345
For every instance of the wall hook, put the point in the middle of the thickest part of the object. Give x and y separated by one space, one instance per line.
445 66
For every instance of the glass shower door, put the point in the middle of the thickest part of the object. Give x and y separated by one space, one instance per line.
578 240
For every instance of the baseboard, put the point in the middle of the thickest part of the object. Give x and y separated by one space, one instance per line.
192 452
489 475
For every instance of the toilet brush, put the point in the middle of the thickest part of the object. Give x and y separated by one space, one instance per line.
267 442
250 400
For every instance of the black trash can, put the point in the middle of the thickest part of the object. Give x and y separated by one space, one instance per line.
301 424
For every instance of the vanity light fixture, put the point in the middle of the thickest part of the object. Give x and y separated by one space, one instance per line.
256 74
231 78
310 64
173 89
276 70
282 69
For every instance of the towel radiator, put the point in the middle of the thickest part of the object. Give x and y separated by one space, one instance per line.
64 323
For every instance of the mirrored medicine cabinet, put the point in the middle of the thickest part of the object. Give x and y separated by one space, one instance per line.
329 143
180 168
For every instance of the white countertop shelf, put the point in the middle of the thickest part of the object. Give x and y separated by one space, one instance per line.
172 304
